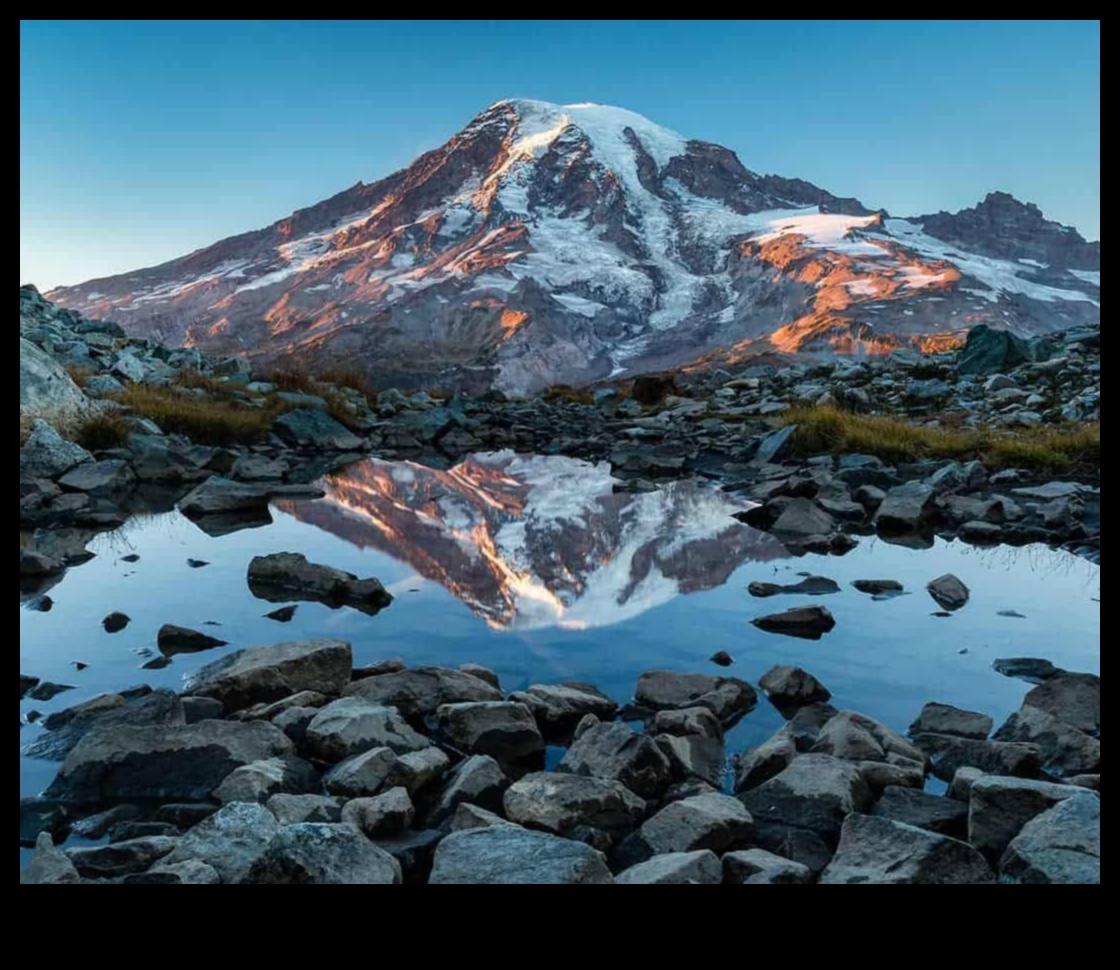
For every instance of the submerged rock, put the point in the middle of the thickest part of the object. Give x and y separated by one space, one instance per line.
286 576
805 623
174 640
949 593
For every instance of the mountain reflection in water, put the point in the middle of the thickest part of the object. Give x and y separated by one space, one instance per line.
533 541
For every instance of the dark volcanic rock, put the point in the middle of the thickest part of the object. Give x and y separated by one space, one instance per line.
805 623
285 576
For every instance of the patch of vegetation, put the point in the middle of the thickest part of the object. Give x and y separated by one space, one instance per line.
79 375
205 419
1055 448
102 431
350 378
24 430
289 381
195 381
564 392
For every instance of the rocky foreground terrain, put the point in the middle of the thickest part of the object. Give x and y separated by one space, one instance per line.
284 764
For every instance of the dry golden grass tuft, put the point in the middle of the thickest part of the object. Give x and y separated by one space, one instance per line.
205 419
102 431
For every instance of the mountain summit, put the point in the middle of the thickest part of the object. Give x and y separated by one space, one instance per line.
549 244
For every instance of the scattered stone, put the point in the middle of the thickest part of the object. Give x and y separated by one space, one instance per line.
313 854
943 719
949 593
363 776
810 586
879 852
727 698
791 688
803 518
768 760
947 755
1000 807
478 781
757 867
930 812
804 623
174 640
27 684
297 809
615 752
677 869
261 780
723 659
777 446
888 588
286 576
283 615
312 428
115 622
352 726
1059 847
197 564
506 732
34 565
419 693
511 856
101 479
857 737
230 841
383 817
571 806
713 822
907 508
417 770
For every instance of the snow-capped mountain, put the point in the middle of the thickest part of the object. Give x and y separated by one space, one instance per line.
529 542
552 244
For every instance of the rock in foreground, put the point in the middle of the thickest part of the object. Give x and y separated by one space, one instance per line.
511 856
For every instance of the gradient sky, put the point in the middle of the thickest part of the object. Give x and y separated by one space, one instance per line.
142 141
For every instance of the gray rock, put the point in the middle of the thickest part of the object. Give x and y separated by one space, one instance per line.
947 755
314 854
352 726
295 721
943 719
220 496
259 468
727 698
677 869
799 813
173 640
949 593
261 780
47 455
45 389
511 856
478 781
196 709
162 762
559 709
286 576
35 565
384 817
269 712
566 804
768 760
51 866
267 674
508 733
470 817
791 688
757 867
312 428
482 673
691 722
933 813
230 841
297 809
805 623
419 693
102 479
960 789
879 852
1065 750
1000 807
695 758
907 508
615 752
362 776
1072 698
777 446
857 737
418 770
713 822
181 874
803 517
1060 847
26 685
1031 670
121 859
414 852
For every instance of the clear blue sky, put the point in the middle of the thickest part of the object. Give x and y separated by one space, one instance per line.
141 141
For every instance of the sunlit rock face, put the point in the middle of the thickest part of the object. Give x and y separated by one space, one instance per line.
549 244
531 542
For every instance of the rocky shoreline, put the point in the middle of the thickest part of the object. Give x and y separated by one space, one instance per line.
284 765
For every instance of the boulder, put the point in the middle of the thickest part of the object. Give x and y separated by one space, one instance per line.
799 814
295 721
352 726
949 593
230 841
419 693
512 856
1060 847
264 675
26 685
857 737
384 817
728 699
47 455
791 688
678 869
569 805
313 428
506 732
559 709
220 496
314 854
173 640
418 770
768 760
162 762
615 752
756 867
907 508
51 866
181 874
777 446
943 719
934 813
1065 750
297 809
261 780
960 789
269 712
879 852
989 351
36 565
695 758
482 673
1000 807
803 518
478 781
805 623
1072 698
101 479
470 817
414 852
362 776
652 389
947 755
287 576
121 859
714 822
44 387
690 722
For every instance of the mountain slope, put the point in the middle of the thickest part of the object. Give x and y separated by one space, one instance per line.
547 244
